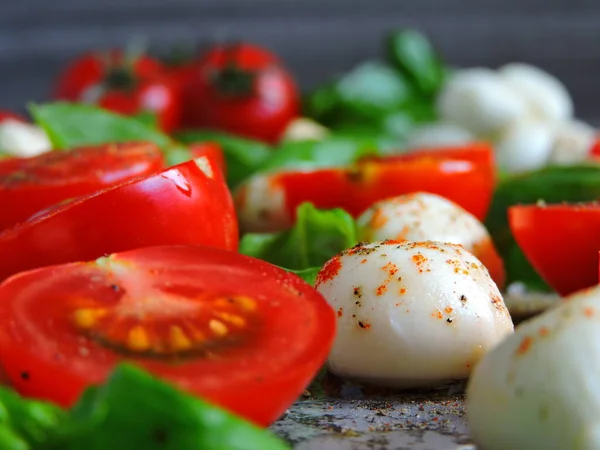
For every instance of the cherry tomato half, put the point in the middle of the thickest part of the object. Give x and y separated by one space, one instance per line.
466 177
242 89
560 241
232 329
185 204
28 185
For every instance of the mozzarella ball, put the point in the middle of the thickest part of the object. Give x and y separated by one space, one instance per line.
260 205
525 146
422 216
573 141
23 139
411 314
302 129
546 97
539 388
438 134
480 101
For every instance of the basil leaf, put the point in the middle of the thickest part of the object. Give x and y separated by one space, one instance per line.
411 53
330 152
242 156
316 236
72 125
309 274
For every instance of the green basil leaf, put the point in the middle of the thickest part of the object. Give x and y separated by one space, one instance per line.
242 156
135 410
316 236
331 152
72 125
411 53
309 274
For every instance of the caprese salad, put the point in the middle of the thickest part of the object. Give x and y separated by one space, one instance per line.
179 235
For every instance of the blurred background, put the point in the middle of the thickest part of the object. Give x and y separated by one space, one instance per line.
317 39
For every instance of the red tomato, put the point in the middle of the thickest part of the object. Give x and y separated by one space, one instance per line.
28 185
560 241
232 329
185 204
466 180
595 150
5 115
213 151
241 89
107 80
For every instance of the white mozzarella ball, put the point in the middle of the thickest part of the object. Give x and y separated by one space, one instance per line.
421 216
411 314
302 129
573 141
23 139
260 205
480 101
539 388
546 97
438 134
526 145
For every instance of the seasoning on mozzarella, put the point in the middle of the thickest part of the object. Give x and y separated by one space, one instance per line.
421 216
260 205
539 388
411 313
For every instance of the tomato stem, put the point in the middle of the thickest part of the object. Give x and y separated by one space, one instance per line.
232 80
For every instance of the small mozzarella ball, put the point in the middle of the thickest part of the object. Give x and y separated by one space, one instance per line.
422 216
525 146
302 129
573 141
480 101
411 314
539 388
438 134
23 139
260 205
546 97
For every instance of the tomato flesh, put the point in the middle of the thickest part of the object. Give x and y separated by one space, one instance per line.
560 241
467 182
28 185
232 329
185 204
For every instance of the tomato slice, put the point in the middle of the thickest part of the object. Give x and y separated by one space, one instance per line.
185 204
212 150
465 182
560 241
28 185
232 329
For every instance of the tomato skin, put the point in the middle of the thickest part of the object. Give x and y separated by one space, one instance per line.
28 185
146 86
9 115
560 241
261 110
181 205
466 179
213 151
258 378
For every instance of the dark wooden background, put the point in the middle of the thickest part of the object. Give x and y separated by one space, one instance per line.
317 38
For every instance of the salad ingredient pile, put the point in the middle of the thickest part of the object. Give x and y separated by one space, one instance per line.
411 313
538 388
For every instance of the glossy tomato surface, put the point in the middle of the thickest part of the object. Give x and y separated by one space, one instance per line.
465 177
560 241
128 87
28 185
242 89
185 204
232 329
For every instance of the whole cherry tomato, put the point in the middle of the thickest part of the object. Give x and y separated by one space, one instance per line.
119 84
9 115
242 89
